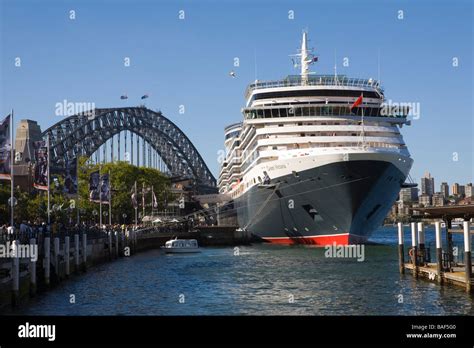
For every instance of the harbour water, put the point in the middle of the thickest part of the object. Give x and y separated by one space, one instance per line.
260 280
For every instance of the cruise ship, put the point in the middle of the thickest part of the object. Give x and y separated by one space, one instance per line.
317 159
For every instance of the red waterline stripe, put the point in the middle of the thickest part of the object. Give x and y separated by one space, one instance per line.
339 239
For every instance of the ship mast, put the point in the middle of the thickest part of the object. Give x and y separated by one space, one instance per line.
304 60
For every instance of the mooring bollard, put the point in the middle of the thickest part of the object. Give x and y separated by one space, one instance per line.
15 273
116 244
84 250
414 249
66 256
32 269
56 256
401 256
110 245
467 254
47 259
439 251
76 252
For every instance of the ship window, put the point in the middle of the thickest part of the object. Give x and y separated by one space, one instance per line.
280 125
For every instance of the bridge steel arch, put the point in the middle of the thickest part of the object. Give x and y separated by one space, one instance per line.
84 133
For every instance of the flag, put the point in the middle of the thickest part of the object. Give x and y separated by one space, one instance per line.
124 97
357 102
94 180
40 181
105 188
143 195
145 96
5 149
155 202
70 180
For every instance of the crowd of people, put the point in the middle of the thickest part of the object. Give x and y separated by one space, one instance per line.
26 230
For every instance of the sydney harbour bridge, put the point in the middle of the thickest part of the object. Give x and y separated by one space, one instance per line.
110 133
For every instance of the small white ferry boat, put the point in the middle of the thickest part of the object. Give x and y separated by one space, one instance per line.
181 246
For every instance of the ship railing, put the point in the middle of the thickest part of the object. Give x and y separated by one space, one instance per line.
317 80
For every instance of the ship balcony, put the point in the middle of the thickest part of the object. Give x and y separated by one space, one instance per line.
310 110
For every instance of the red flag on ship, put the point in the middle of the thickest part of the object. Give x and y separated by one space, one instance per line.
357 102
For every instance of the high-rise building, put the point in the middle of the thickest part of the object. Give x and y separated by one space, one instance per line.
425 200
409 194
468 190
438 199
462 190
427 185
455 189
445 189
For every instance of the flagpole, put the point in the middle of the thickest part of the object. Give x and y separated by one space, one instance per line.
110 199
136 206
12 190
143 200
48 178
100 197
77 193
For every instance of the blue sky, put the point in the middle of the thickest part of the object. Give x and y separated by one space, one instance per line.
187 62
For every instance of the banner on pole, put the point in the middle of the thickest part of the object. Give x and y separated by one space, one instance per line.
70 181
94 181
41 165
5 149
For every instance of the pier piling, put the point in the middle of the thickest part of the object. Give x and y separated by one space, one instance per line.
32 270
66 256
421 236
15 273
439 252
47 260
414 256
76 252
116 245
110 245
467 254
84 250
56 257
401 255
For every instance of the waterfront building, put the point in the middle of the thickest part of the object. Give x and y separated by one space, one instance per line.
455 189
445 189
409 194
427 185
424 200
468 190
438 199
